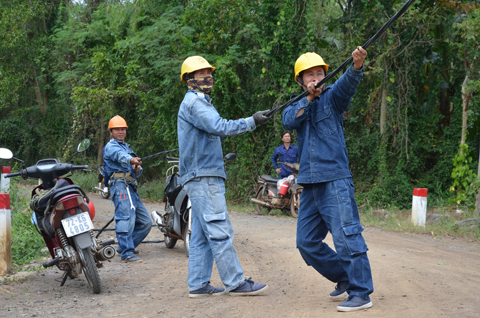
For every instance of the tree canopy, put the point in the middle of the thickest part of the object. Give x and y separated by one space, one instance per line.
68 66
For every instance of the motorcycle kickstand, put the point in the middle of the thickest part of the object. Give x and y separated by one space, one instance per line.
64 278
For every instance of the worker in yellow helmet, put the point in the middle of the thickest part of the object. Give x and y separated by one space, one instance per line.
132 221
328 201
202 173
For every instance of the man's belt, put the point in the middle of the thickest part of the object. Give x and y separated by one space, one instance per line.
122 175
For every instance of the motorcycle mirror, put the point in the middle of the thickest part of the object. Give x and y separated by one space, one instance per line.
231 157
83 145
6 153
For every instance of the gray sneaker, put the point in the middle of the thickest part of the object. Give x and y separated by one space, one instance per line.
340 292
208 290
354 303
119 251
132 258
248 288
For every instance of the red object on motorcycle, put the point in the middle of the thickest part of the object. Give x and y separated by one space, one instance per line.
92 209
284 188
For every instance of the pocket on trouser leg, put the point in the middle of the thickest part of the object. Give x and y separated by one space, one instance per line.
354 240
217 223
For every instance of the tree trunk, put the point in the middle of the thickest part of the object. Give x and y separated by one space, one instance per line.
466 96
101 142
38 95
383 110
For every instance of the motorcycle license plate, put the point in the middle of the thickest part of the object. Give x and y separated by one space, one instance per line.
77 224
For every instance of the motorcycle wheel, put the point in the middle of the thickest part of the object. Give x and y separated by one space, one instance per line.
90 269
169 241
295 204
260 208
105 195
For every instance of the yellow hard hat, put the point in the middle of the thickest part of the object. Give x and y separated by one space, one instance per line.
194 63
308 60
117 122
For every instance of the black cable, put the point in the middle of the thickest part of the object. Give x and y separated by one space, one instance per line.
159 154
347 61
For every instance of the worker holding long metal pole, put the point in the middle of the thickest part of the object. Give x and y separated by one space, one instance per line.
328 201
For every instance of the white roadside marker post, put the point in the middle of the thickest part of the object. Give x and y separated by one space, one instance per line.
5 235
419 206
5 182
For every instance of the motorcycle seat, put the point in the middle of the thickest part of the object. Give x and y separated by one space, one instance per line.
268 178
64 191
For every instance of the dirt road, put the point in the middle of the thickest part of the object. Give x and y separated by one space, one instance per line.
414 276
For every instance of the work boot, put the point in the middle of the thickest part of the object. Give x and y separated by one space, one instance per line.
248 288
208 290
340 292
354 303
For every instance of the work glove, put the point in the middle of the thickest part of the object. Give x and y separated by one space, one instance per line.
260 119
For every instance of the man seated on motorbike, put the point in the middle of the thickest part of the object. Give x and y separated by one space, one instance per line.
202 173
287 153
132 221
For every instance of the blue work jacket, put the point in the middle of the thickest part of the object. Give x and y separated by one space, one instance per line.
289 155
321 144
200 134
116 157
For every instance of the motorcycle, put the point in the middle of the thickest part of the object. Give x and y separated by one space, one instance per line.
63 216
176 221
269 197
102 187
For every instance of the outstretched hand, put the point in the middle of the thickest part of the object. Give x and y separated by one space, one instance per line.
136 164
260 119
359 56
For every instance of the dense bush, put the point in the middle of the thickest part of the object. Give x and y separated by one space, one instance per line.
67 67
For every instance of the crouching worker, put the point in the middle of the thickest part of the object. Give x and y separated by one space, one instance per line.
132 221
328 201
202 173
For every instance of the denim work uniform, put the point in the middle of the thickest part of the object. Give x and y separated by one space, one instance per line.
289 155
202 172
328 201
132 221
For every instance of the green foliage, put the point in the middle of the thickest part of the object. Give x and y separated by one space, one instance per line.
465 182
67 68
26 242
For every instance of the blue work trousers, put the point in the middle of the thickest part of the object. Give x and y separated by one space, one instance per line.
212 235
132 221
330 206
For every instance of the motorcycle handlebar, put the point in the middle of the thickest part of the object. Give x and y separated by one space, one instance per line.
79 167
15 174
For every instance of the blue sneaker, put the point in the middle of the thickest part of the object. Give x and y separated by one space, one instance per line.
340 292
354 303
248 288
208 290
132 258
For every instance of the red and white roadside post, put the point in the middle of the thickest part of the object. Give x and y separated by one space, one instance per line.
5 182
5 235
419 206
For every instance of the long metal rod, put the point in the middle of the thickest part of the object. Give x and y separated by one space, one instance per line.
347 61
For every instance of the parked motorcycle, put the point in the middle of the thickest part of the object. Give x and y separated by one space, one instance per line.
102 187
176 221
269 197
63 215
